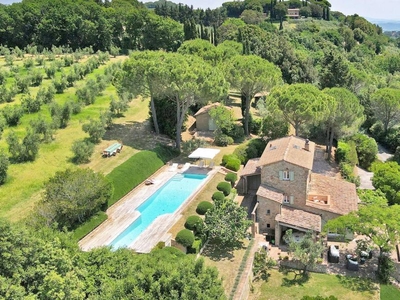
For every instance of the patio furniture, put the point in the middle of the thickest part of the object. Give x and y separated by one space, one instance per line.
352 265
333 254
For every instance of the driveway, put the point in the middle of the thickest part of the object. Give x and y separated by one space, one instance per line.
365 179
383 153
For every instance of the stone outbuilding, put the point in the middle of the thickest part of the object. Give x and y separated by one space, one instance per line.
204 122
289 194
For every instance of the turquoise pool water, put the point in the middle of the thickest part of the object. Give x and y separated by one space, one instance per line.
165 200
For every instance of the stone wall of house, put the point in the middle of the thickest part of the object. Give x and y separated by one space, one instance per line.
202 122
325 215
263 218
296 187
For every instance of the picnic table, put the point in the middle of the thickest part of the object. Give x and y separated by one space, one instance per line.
112 150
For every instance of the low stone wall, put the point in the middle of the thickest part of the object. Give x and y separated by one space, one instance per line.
318 268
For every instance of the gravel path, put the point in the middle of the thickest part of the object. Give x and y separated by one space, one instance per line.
365 179
383 154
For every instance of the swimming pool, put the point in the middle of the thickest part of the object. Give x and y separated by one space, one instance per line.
165 200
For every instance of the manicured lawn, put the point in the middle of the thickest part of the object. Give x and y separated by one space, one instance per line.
389 292
280 286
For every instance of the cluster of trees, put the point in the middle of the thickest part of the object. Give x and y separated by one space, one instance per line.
45 264
124 24
376 220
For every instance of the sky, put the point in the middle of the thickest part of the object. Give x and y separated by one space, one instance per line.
376 9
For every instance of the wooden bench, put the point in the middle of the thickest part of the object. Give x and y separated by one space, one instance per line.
112 150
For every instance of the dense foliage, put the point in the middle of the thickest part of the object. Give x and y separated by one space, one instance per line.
73 196
48 265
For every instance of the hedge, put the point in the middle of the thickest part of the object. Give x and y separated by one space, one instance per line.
224 187
346 152
87 227
233 164
194 223
218 196
231 177
137 169
203 207
185 237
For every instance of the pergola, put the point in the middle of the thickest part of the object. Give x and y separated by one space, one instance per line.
204 153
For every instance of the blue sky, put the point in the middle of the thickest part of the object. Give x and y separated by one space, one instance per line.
377 9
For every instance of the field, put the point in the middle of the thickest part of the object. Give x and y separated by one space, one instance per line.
25 180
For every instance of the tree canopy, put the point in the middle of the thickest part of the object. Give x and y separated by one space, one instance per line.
250 75
73 196
300 104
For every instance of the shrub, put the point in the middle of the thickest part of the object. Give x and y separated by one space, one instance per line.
95 129
231 177
347 172
366 148
196 246
194 223
36 78
346 152
28 63
82 150
50 71
233 164
12 114
204 207
227 157
224 187
23 83
30 104
222 140
218 196
60 85
185 237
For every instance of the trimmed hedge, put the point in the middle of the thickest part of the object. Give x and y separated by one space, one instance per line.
231 177
185 237
87 227
137 169
203 207
218 196
194 223
233 164
224 187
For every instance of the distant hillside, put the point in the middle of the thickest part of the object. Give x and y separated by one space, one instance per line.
152 5
387 25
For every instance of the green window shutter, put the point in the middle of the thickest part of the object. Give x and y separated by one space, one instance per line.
291 175
291 199
280 175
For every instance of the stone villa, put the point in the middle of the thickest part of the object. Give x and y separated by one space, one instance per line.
289 194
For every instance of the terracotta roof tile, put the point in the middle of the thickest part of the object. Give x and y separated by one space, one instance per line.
343 194
270 193
299 218
206 109
289 149
251 168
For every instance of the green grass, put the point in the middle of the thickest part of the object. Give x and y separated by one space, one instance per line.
389 292
137 169
25 181
281 286
89 225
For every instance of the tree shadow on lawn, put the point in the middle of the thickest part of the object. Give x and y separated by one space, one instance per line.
299 278
217 252
137 135
358 284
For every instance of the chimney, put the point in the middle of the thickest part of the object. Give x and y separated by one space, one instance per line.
307 145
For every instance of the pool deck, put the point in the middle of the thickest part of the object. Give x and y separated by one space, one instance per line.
123 213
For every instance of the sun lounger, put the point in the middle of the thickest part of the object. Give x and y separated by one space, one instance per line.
211 165
173 167
201 164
